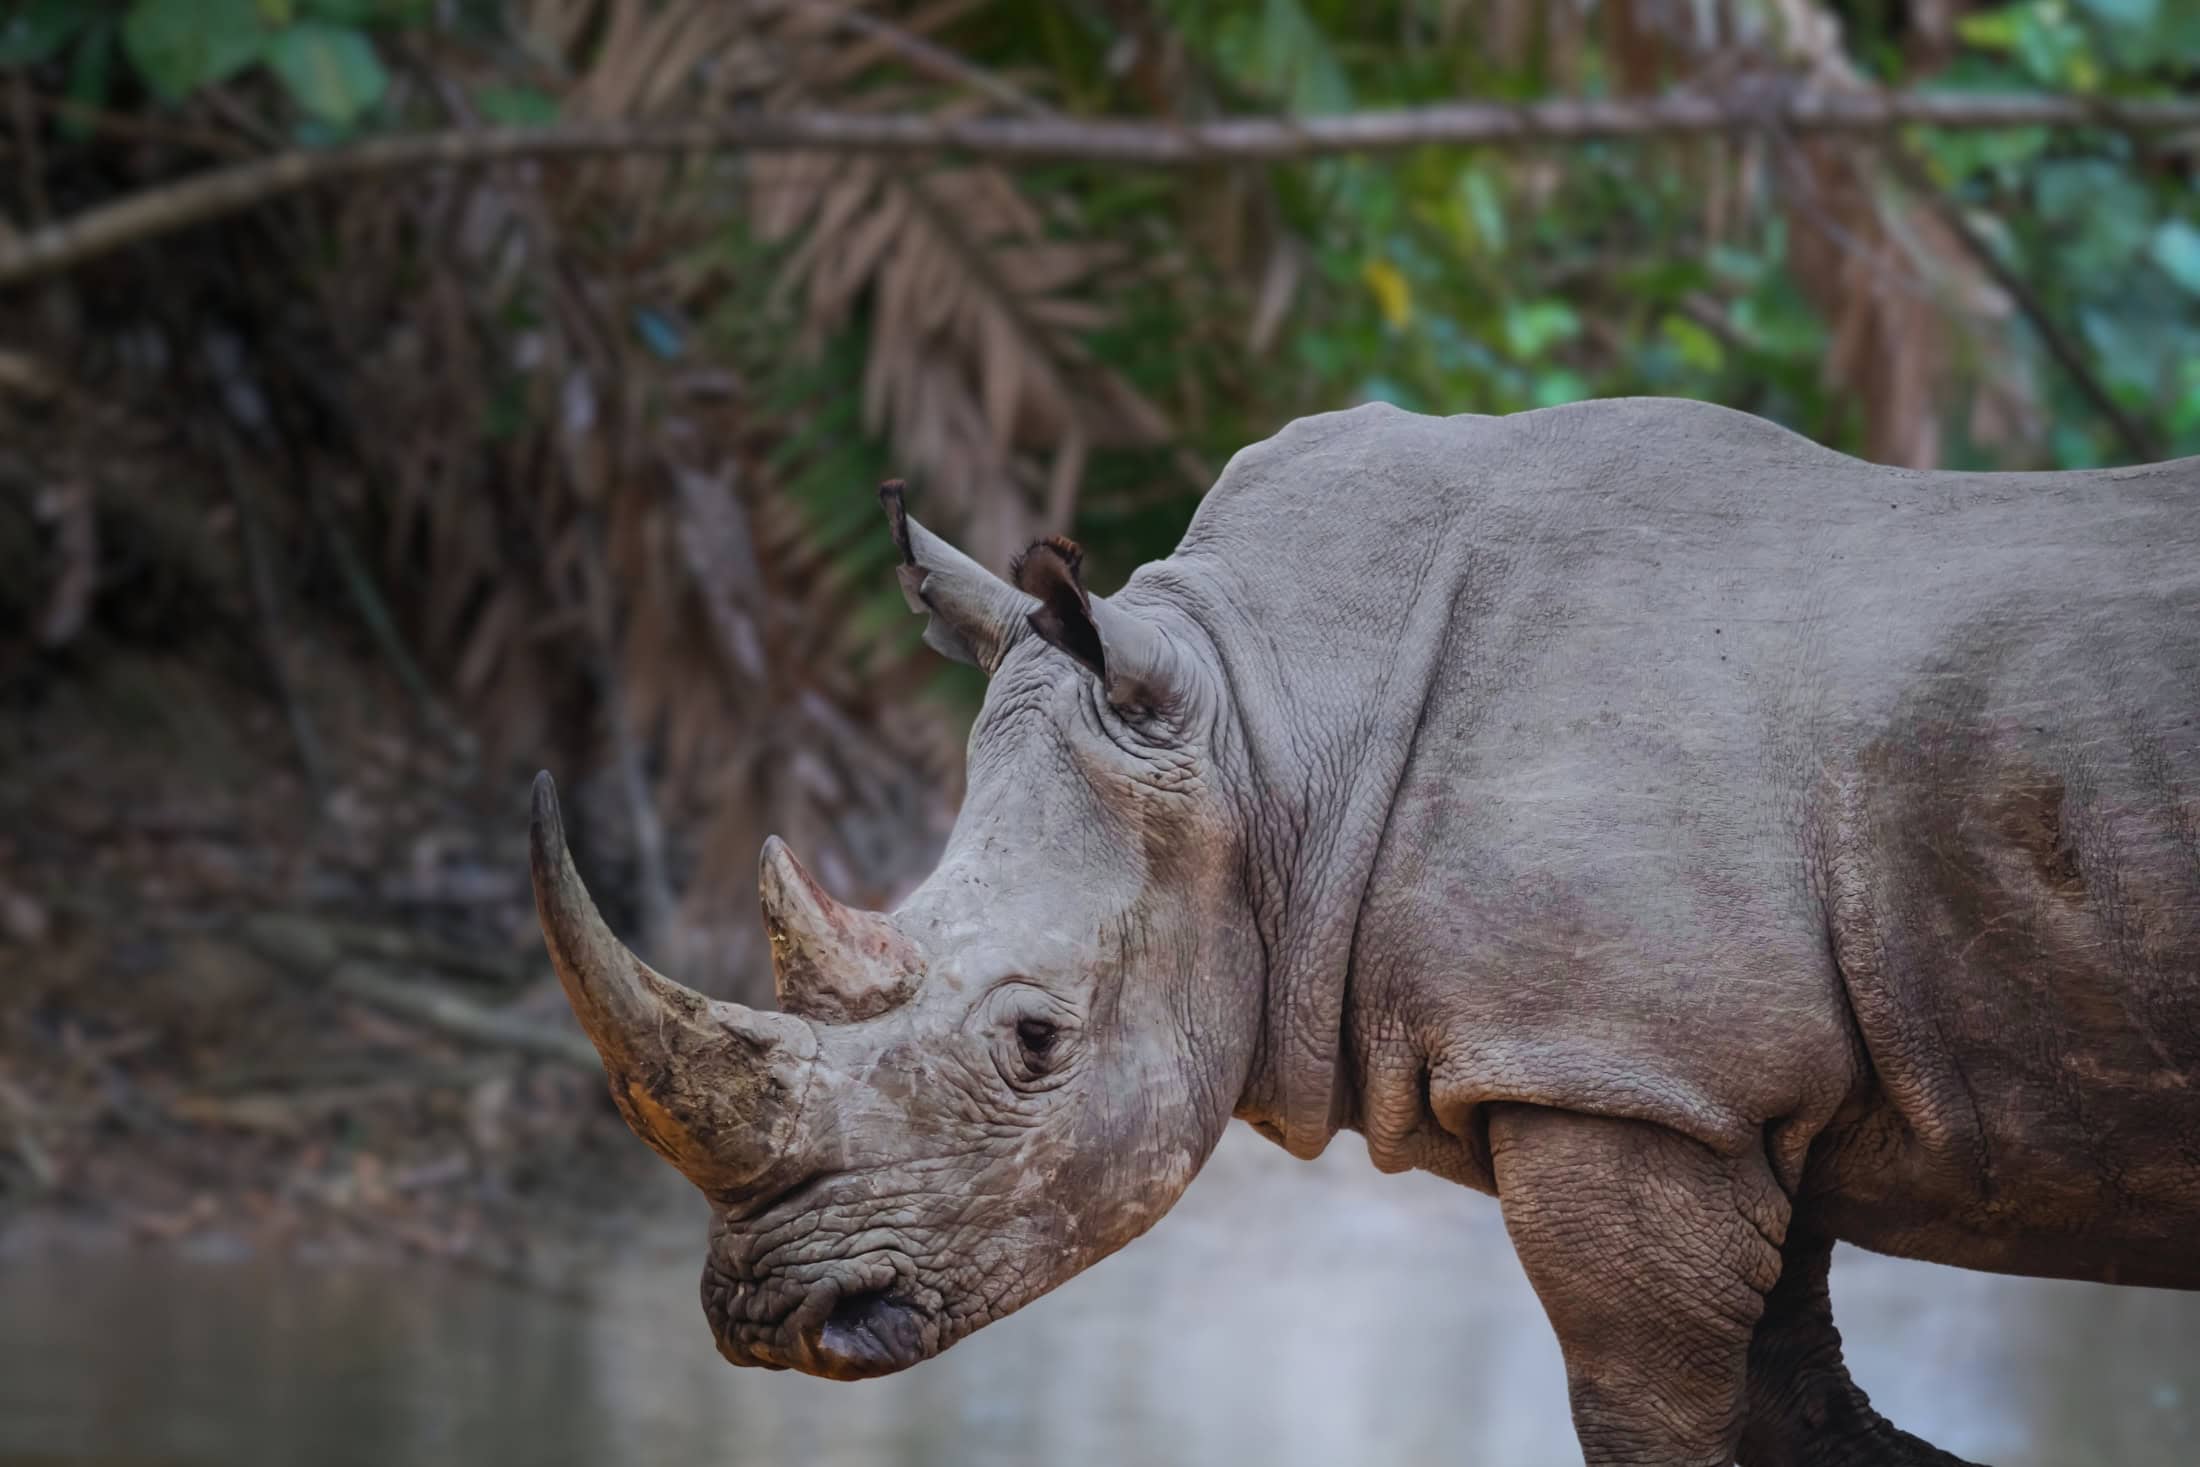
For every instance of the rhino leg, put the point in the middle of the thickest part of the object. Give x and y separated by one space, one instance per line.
1652 1256
1803 1410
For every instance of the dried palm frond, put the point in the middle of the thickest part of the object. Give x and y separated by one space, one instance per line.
1906 302
974 370
1905 299
620 543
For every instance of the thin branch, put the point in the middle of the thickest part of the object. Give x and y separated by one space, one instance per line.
121 125
2138 439
22 1117
426 1002
319 952
1793 178
1161 144
381 624
652 874
20 98
267 605
941 63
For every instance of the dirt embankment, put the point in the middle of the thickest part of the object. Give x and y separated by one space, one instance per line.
239 1005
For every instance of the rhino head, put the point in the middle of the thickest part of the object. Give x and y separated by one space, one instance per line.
964 1102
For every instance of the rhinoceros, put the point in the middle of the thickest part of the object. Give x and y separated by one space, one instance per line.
1711 845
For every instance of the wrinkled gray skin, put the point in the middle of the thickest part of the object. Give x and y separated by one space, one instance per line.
1711 845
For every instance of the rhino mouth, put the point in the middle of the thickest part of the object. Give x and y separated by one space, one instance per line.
853 1327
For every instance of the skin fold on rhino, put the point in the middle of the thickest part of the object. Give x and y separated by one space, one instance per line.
1713 846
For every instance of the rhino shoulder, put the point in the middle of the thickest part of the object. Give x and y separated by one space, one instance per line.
1315 461
1378 441
1365 433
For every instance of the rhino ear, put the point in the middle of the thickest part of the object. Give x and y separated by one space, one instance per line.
975 615
1127 654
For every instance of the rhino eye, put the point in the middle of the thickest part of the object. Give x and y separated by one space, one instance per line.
1032 1037
1037 1036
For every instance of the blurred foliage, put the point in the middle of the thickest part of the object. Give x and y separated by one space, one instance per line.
1493 281
1485 280
322 51
643 399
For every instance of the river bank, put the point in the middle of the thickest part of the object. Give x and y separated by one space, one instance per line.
245 1009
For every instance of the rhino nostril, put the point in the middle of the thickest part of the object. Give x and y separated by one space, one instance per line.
870 1333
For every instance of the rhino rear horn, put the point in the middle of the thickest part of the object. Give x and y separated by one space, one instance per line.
716 1089
830 962
976 617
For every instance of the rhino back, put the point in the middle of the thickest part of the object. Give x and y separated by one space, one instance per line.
1761 792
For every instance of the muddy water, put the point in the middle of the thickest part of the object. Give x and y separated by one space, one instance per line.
1285 1313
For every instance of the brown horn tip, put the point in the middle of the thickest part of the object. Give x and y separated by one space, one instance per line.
714 1088
602 978
545 827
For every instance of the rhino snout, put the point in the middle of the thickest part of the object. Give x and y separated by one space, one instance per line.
850 1320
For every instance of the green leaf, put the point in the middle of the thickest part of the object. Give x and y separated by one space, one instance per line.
364 12
2184 415
517 106
91 72
2123 12
1285 51
2074 447
315 132
2176 248
1741 266
37 31
1991 30
179 46
1697 347
2044 38
1561 386
331 70
342 12
1484 208
1393 293
1535 327
1386 389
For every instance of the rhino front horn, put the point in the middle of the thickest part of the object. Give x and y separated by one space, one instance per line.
830 962
716 1089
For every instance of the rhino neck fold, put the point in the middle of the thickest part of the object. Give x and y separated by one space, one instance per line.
1331 643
